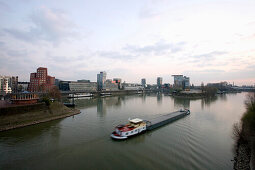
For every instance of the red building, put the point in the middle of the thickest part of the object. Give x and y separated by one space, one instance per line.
40 81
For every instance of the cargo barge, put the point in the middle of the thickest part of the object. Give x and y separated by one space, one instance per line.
137 126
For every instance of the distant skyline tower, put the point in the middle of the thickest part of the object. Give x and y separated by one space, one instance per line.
143 82
101 78
159 82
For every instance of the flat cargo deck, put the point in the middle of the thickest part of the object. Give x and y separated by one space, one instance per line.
165 119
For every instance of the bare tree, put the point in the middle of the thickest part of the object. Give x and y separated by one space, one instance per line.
55 93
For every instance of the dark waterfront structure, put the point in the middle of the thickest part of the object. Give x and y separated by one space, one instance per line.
64 85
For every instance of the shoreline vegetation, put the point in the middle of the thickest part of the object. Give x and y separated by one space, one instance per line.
244 134
45 113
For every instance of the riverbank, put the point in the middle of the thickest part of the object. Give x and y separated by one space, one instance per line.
245 133
47 113
243 156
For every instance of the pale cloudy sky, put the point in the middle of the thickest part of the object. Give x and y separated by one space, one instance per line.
207 40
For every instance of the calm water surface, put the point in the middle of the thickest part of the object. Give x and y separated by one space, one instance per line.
201 140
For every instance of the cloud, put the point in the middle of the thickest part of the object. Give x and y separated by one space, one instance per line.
27 36
1 44
159 47
148 13
115 55
250 67
210 55
206 59
205 71
17 53
4 7
48 25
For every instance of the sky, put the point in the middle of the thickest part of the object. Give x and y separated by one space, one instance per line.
207 40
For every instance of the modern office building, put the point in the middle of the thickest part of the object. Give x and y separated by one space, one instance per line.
181 81
159 82
132 86
64 85
143 82
41 81
101 78
111 85
83 86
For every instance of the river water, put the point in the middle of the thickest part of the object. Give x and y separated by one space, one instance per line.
201 140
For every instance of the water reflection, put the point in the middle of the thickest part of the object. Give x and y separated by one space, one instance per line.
143 98
159 98
181 103
15 136
208 101
101 109
103 103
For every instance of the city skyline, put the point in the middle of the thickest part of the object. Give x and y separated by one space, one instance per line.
206 41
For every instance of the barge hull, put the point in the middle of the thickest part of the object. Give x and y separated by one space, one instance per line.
165 119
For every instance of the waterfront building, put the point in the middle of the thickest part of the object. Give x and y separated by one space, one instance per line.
83 86
117 80
101 78
132 86
83 81
108 81
8 84
4 86
223 86
64 85
23 86
186 82
41 81
24 98
159 82
166 85
181 81
57 82
143 82
111 86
